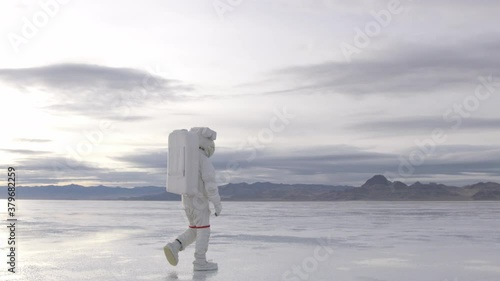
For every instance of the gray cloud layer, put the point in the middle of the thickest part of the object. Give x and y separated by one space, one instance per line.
333 164
401 70
33 140
146 159
61 170
337 161
25 151
94 89
417 125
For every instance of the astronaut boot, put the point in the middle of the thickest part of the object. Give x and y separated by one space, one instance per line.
204 265
172 252
200 263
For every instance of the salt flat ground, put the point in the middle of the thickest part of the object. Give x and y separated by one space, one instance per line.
365 241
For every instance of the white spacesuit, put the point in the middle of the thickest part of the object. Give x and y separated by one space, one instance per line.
197 207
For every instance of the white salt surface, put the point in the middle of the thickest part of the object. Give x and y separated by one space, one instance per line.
365 241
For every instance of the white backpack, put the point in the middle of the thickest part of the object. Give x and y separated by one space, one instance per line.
183 162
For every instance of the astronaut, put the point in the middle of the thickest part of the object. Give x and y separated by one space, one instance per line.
197 207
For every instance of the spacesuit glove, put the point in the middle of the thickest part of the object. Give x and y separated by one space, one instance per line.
218 209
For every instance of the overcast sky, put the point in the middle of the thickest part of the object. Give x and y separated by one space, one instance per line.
299 91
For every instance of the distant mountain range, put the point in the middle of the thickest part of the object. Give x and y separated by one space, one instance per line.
376 188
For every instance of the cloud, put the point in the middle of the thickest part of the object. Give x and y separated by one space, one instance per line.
352 165
415 125
311 161
57 164
95 90
336 165
33 140
327 160
130 118
385 262
452 164
339 164
62 170
25 151
54 169
156 159
399 70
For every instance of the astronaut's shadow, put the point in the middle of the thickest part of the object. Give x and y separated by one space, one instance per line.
197 276
204 275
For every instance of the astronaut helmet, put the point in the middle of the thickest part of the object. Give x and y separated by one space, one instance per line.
206 138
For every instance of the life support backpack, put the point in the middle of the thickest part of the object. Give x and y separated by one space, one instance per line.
183 162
